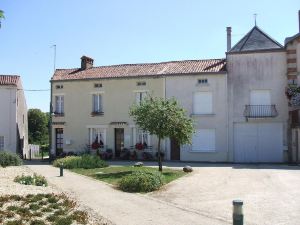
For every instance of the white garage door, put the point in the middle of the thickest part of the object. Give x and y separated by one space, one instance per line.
258 142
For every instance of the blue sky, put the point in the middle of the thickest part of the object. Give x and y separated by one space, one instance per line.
132 31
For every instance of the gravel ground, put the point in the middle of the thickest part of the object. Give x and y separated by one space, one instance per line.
9 187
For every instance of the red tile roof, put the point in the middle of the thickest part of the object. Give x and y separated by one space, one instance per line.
146 69
9 79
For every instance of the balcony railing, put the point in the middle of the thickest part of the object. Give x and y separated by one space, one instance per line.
260 111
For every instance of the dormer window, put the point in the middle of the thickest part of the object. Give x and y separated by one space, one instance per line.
141 83
97 85
59 86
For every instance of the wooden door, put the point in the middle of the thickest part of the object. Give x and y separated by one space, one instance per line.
119 141
175 149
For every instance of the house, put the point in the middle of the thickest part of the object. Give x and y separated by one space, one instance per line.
238 104
91 104
257 105
292 46
203 93
13 119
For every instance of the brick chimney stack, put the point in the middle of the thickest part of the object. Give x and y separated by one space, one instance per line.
228 29
86 62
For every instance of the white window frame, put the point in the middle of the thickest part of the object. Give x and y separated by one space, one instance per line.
2 143
197 109
97 132
99 106
209 147
140 96
59 103
139 135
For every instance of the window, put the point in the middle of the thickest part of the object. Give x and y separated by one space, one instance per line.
59 140
141 83
143 137
97 137
140 96
1 142
202 103
260 97
59 86
59 104
98 85
204 140
202 81
97 103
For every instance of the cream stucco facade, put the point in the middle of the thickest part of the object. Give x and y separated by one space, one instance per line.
183 88
117 95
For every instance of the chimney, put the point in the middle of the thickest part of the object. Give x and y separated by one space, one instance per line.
228 29
86 62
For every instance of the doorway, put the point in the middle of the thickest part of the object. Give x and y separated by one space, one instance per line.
119 141
175 149
59 140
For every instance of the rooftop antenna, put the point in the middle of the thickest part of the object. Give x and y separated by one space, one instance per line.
255 15
54 59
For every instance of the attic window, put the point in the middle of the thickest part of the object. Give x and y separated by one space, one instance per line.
98 85
59 86
141 83
202 81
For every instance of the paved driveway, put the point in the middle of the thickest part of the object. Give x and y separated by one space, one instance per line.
271 193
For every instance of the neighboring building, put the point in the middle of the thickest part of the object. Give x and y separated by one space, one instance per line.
258 108
13 119
292 46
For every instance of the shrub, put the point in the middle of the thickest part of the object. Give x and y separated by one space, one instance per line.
32 180
84 161
9 159
141 181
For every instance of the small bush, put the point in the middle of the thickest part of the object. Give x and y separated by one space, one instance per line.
9 159
84 161
37 222
32 180
141 181
64 221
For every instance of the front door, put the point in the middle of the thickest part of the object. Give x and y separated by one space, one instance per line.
119 141
59 140
175 149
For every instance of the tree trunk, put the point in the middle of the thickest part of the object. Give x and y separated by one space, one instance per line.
159 156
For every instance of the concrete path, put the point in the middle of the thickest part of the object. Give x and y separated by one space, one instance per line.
126 208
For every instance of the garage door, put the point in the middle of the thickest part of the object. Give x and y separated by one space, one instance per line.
258 142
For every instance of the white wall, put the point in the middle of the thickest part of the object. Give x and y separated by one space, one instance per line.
8 122
265 70
182 88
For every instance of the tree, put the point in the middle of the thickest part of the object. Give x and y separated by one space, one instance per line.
1 16
38 127
165 119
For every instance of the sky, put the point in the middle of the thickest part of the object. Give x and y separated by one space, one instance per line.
121 32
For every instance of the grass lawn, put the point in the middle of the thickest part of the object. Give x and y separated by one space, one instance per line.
114 174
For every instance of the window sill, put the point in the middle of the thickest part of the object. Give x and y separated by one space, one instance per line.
204 114
203 151
97 114
59 114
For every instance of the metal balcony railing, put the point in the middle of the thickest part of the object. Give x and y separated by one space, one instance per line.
260 111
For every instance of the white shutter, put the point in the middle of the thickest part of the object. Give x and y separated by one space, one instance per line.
56 104
202 103
62 104
100 103
204 140
260 97
138 97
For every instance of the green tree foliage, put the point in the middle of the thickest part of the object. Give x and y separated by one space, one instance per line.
38 123
165 119
1 16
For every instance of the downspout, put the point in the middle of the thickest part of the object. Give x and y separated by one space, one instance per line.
50 124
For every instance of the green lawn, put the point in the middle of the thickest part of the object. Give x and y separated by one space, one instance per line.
114 174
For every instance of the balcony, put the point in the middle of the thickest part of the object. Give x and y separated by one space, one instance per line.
260 111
